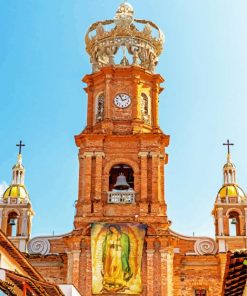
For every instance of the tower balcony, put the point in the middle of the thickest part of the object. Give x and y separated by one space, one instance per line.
121 197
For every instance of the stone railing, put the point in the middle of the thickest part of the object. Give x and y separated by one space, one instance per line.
121 197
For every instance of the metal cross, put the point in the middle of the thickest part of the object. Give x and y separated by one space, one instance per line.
228 144
20 145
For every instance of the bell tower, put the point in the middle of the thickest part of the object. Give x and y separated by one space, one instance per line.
122 149
230 210
15 207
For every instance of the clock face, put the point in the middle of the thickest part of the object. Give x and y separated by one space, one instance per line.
122 100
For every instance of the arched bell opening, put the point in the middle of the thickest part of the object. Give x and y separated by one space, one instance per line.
12 224
121 177
121 184
234 224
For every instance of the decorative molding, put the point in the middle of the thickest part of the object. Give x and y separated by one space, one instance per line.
205 246
88 154
99 154
39 245
143 154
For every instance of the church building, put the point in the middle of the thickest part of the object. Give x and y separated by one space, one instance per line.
122 241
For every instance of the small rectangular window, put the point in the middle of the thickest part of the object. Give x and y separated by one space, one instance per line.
200 292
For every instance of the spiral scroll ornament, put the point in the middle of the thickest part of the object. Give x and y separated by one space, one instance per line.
205 246
39 245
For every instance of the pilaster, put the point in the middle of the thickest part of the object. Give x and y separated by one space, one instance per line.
144 183
1 217
150 266
90 112
155 105
155 181
87 180
220 221
88 288
107 101
98 182
245 215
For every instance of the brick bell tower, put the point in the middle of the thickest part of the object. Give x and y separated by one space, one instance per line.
121 163
230 210
122 149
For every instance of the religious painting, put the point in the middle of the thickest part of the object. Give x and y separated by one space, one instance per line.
117 257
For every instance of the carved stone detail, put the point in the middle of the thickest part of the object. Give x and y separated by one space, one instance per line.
143 44
205 246
39 245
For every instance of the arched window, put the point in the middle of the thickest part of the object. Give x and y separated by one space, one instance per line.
234 227
12 224
99 108
121 170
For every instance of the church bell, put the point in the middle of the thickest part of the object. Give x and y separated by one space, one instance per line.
234 221
121 183
12 222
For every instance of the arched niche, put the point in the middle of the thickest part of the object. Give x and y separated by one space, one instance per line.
12 223
116 161
234 223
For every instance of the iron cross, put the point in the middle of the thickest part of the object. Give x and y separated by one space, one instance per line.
20 145
228 144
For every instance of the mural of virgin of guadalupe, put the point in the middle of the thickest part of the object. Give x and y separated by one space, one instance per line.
115 256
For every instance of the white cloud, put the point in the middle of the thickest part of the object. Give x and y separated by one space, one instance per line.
3 187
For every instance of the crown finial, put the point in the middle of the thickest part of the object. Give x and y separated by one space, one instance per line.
141 39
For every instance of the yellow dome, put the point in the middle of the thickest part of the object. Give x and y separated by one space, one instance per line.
231 190
15 191
229 165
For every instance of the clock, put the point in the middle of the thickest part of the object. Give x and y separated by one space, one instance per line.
122 100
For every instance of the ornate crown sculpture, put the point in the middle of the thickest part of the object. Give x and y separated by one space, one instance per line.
141 39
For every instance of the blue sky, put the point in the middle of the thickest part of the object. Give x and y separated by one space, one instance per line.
42 61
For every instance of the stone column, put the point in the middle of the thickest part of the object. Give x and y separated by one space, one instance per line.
76 267
81 178
136 105
170 276
221 232
150 266
155 185
87 180
70 268
144 183
162 178
136 99
4 222
155 105
98 174
245 215
88 289
220 221
23 223
90 113
1 218
98 182
107 101
73 267
163 276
